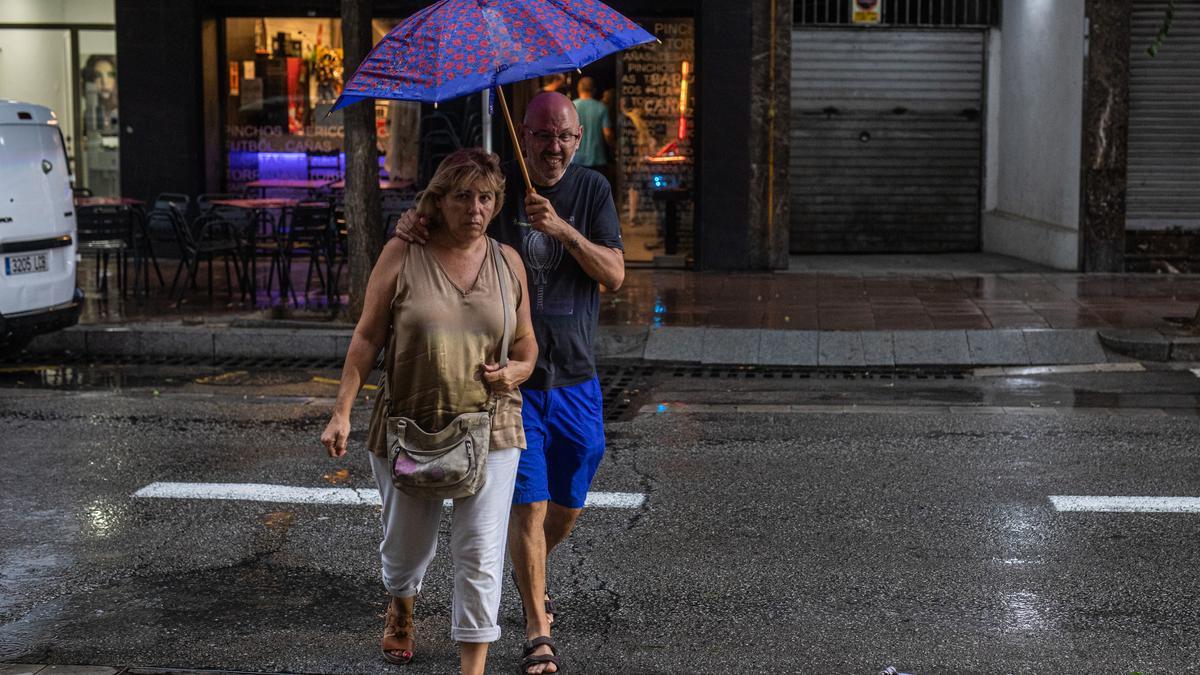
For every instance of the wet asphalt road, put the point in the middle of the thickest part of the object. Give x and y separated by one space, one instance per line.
916 532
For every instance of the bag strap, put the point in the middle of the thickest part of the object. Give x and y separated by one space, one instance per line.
502 279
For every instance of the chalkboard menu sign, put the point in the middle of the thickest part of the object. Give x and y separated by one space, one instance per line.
656 132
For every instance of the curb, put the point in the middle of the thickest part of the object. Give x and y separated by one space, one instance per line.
668 344
1150 345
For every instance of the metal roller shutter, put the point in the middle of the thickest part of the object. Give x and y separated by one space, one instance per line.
1164 119
886 140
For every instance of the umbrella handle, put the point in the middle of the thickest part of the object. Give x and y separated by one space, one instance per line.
516 143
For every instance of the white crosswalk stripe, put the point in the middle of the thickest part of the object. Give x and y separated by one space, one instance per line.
1126 504
262 492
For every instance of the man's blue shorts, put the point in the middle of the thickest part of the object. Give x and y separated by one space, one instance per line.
564 436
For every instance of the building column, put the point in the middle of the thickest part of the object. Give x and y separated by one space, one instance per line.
1105 132
770 102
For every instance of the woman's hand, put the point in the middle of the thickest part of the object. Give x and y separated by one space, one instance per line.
507 379
336 435
412 228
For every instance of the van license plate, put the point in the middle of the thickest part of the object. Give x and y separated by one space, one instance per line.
25 264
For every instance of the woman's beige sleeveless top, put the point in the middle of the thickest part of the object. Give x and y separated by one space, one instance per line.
441 335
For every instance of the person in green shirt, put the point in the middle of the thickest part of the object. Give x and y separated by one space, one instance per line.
597 128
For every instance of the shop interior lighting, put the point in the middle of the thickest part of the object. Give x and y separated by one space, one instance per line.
683 92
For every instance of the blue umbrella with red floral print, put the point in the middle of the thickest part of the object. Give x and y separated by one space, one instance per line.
457 47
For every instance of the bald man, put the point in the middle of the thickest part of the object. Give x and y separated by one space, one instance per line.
570 240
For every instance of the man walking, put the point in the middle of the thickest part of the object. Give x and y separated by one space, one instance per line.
597 129
570 240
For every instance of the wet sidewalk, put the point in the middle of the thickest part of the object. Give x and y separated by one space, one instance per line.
917 292
952 310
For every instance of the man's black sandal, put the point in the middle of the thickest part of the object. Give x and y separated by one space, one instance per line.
528 660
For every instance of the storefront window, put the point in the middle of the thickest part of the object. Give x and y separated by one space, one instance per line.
655 132
282 78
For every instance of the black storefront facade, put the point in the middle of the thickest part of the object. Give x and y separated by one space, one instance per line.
200 77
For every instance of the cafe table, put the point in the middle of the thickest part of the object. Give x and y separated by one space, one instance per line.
257 207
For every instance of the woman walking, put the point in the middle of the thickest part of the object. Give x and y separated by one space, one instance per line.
439 311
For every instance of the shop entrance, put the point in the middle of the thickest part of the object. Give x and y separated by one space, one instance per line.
649 158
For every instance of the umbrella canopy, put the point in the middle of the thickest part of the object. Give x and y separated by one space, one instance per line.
457 47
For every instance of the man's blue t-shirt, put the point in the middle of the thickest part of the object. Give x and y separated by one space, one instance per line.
593 115
564 300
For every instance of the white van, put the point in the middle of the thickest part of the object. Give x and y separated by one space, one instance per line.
37 227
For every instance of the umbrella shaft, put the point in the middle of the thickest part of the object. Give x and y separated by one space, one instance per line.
516 143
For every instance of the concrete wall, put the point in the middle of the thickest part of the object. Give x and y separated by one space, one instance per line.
56 11
35 66
1035 86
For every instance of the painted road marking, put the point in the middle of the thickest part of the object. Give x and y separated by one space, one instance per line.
1196 372
1126 504
262 492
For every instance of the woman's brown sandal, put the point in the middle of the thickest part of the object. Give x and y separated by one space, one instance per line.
398 629
528 660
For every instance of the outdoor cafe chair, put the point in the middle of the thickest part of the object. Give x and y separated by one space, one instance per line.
209 237
307 233
170 236
106 231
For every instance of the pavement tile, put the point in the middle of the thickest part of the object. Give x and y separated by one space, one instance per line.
979 323
878 348
675 343
840 348
903 323
1064 346
735 318
932 347
1010 321
997 347
790 321
731 345
789 348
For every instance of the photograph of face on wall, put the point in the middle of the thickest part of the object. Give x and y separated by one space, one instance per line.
99 75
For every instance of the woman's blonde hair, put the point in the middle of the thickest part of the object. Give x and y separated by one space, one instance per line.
463 168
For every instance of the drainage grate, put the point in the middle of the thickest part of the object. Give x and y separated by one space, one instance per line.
809 373
622 387
627 387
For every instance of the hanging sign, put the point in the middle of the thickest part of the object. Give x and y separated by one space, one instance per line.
866 11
